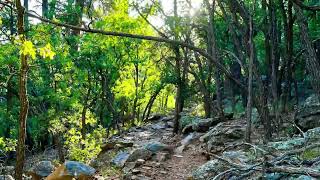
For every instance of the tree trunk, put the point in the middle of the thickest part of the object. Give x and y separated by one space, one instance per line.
274 60
212 50
136 98
85 107
288 24
24 102
178 101
45 8
312 63
249 101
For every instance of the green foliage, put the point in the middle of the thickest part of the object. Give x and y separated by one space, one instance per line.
7 145
87 149
186 120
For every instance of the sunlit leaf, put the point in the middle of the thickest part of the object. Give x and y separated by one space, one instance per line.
46 52
28 49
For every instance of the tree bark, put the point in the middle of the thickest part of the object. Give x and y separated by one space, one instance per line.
312 64
45 8
212 50
250 79
24 102
85 108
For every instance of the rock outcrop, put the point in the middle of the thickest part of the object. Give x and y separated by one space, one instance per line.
222 134
308 116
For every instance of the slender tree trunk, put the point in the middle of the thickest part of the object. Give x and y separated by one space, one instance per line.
26 8
178 101
179 98
45 8
274 60
85 108
24 102
135 102
249 101
212 50
288 21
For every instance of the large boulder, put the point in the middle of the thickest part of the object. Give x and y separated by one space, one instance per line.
212 168
223 133
313 134
72 169
41 169
200 125
308 116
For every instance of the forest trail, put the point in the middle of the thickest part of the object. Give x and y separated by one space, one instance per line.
164 165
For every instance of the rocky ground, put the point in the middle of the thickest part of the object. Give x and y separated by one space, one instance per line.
207 149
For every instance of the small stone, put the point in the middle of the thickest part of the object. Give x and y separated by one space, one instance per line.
178 156
136 171
146 167
161 157
128 167
120 159
163 172
140 162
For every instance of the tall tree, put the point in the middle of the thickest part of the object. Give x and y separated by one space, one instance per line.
24 102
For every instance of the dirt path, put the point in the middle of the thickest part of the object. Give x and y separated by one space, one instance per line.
177 166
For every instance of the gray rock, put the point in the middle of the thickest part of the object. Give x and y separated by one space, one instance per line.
170 124
208 170
155 147
185 142
239 157
200 125
222 134
158 126
43 168
129 167
312 100
302 177
307 117
289 144
6 177
75 169
139 154
313 134
162 156
120 159
273 176
9 170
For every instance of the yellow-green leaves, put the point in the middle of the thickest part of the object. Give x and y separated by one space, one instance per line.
0 21
28 49
46 52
